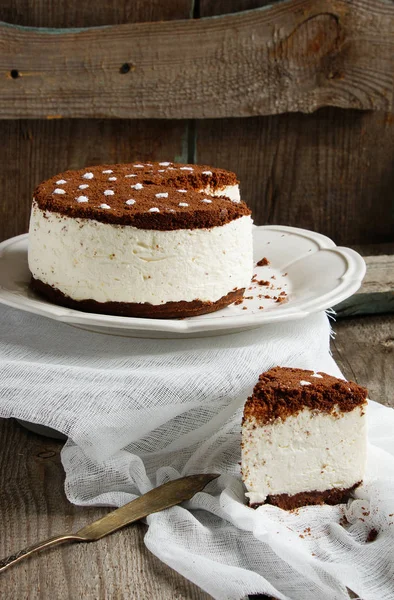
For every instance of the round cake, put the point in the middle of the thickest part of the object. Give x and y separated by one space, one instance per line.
156 240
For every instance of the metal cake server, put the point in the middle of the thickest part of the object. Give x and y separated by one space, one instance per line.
164 496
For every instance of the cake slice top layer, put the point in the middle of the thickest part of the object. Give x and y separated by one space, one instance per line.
162 196
282 392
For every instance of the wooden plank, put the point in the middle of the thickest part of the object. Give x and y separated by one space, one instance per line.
297 55
33 507
376 294
211 8
364 350
74 13
35 150
324 172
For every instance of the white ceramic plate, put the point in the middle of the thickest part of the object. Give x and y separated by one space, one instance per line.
319 275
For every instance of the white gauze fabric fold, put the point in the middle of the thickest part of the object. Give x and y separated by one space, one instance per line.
139 412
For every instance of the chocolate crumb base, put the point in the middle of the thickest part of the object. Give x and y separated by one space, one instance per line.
332 497
169 310
263 262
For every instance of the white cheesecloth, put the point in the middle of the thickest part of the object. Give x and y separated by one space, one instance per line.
139 412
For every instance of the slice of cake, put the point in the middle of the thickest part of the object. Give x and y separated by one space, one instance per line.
159 240
303 439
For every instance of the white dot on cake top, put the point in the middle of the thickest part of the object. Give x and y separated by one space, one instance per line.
164 164
154 209
302 382
137 186
183 204
207 172
186 169
111 178
104 205
317 375
82 199
162 195
83 186
61 181
131 175
171 169
59 191
130 202
108 171
206 201
88 175
138 166
160 170
109 193
182 191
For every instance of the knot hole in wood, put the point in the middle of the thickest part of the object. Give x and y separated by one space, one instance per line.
126 68
314 46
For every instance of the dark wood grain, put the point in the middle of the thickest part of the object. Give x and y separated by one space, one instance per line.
35 150
74 13
297 55
324 172
331 172
211 8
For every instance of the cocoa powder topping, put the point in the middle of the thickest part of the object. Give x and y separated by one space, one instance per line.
161 196
281 392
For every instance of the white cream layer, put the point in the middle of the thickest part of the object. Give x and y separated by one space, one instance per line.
230 191
307 452
87 259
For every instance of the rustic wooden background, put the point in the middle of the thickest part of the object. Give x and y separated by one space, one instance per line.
330 170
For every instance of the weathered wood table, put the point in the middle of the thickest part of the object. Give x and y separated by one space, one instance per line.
33 505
